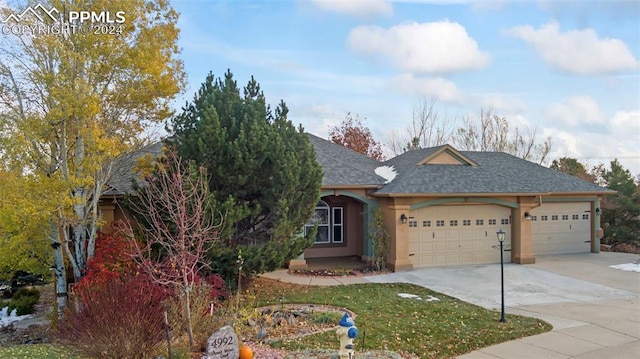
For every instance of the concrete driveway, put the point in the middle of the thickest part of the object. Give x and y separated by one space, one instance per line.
594 309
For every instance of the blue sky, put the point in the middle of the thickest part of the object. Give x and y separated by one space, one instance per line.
571 68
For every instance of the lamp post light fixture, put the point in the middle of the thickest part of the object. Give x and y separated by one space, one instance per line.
501 235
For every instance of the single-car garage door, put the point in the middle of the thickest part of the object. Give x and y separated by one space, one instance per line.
457 235
561 228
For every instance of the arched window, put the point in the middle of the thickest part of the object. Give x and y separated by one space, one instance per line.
329 221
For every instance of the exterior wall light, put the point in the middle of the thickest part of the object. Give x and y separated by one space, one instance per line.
527 216
403 218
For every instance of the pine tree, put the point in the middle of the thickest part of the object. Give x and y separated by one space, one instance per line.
621 211
263 172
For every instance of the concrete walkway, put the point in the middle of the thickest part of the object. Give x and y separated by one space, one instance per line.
594 309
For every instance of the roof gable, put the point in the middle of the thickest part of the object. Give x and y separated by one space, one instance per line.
446 155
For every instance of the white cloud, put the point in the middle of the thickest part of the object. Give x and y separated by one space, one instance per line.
360 8
627 121
576 111
434 47
577 51
442 89
502 103
620 140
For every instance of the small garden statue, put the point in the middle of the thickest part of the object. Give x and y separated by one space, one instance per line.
346 333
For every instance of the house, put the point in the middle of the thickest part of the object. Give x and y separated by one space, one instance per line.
441 206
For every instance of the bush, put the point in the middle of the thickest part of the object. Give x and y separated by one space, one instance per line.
24 301
114 312
122 318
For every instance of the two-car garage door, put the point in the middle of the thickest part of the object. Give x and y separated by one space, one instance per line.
457 235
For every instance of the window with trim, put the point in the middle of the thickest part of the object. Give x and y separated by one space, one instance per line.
330 222
439 223
426 223
492 222
574 216
466 222
479 222
453 222
565 217
554 217
585 216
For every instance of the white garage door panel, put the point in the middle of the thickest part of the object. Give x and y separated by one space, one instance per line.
561 228
450 244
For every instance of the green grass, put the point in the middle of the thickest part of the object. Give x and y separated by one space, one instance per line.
36 351
435 329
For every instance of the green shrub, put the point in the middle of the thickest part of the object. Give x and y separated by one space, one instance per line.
24 300
26 292
326 317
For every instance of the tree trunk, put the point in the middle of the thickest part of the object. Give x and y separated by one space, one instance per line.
79 240
59 269
187 312
80 211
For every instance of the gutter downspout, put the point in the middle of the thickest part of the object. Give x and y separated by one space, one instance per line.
539 202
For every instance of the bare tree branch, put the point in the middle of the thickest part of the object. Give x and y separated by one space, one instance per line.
427 129
178 228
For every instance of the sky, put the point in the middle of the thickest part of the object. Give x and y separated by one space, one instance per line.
570 69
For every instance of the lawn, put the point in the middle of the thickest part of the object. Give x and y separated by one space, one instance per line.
442 328
36 351
430 329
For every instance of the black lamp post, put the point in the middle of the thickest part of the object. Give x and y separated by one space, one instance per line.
501 234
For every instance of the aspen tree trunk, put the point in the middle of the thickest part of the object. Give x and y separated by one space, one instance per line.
59 269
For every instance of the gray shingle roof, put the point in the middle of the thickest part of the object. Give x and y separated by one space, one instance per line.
123 175
344 167
496 172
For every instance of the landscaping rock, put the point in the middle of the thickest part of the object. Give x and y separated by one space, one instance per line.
223 344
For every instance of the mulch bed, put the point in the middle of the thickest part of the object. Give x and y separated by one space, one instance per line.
355 272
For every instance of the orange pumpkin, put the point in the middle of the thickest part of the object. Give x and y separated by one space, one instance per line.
246 352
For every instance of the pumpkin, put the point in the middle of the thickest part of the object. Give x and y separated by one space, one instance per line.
246 352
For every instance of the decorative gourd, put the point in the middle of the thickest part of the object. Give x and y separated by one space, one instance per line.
246 352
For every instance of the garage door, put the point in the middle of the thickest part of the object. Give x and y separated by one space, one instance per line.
457 235
561 228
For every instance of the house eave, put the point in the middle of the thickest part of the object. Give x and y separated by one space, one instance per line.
342 186
490 194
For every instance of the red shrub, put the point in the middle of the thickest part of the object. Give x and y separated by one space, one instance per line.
115 311
121 318
111 261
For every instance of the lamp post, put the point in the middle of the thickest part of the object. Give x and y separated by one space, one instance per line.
501 234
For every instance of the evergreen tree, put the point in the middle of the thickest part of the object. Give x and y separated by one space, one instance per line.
621 212
263 172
